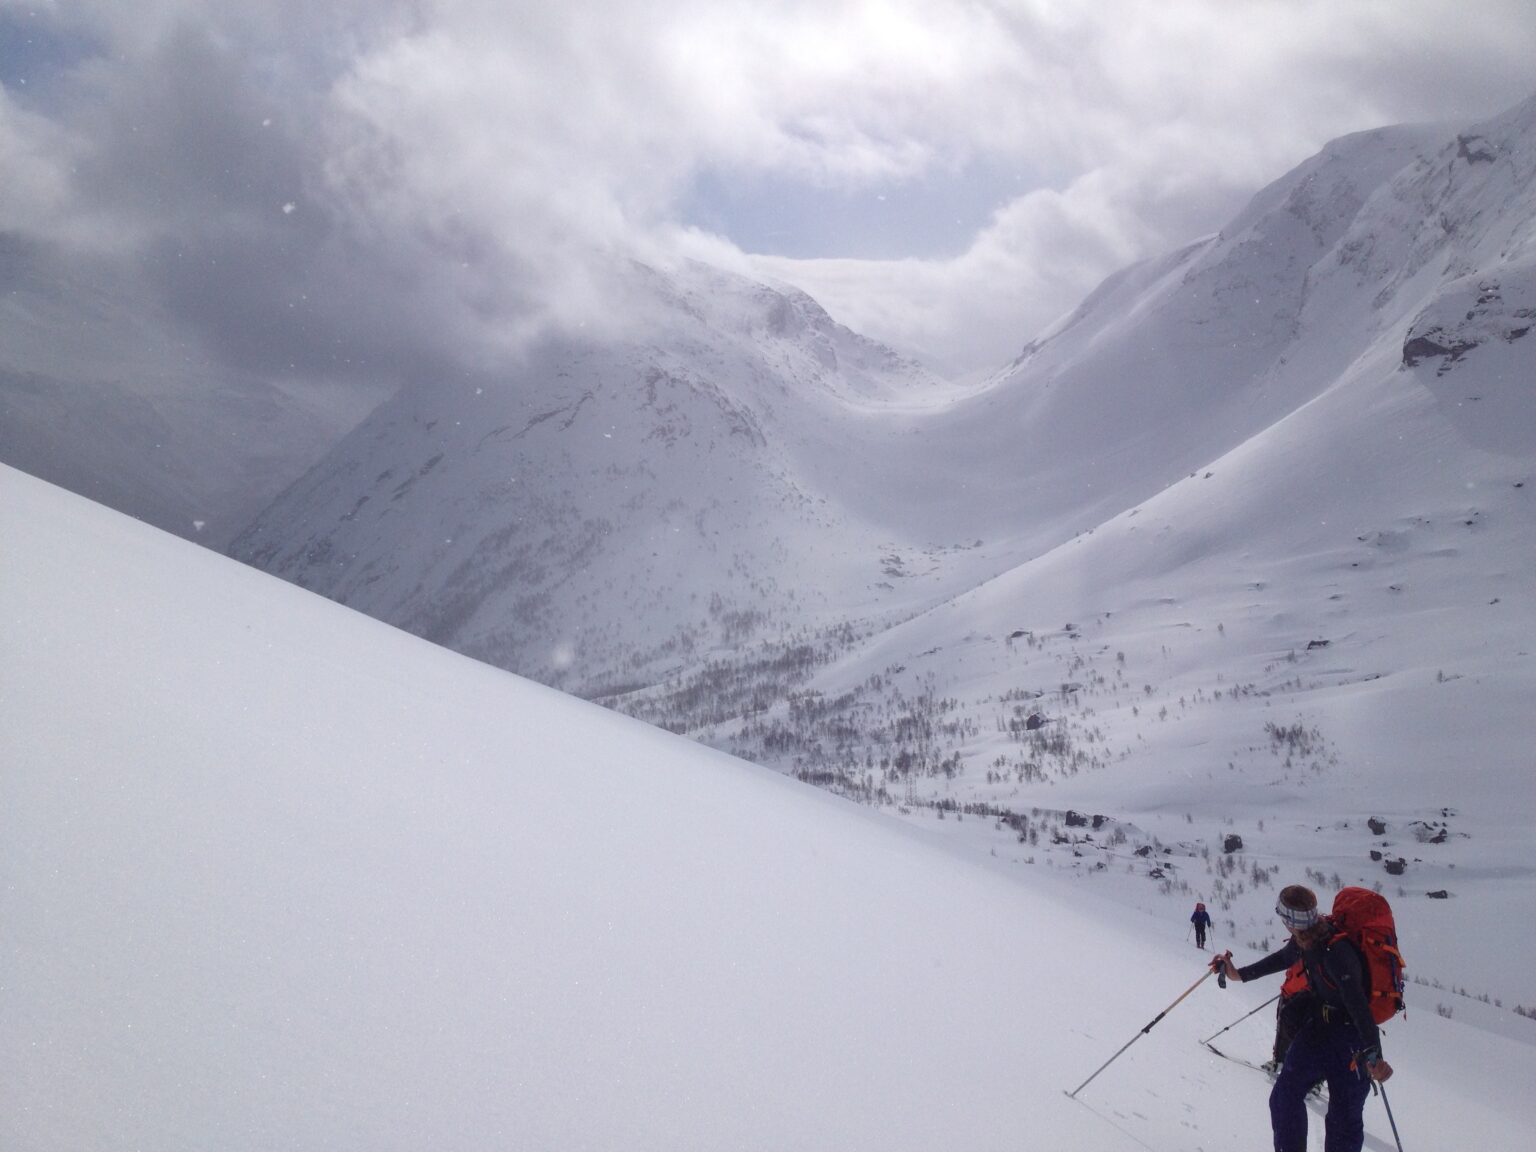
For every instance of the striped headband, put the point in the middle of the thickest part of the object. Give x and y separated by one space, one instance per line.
1297 918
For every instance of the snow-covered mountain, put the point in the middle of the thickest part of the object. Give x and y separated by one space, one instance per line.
740 458
275 876
1257 514
608 508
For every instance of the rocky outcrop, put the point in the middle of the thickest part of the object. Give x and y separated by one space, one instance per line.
1469 314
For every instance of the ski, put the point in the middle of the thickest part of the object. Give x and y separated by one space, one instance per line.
1239 1060
1318 1092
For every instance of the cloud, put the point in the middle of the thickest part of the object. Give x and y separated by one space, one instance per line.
417 186
1162 120
1041 253
33 156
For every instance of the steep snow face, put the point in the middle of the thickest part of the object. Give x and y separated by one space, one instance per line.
1173 362
1479 253
1417 236
607 506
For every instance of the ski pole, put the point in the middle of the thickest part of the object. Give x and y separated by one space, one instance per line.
1143 1032
1378 1087
1235 1023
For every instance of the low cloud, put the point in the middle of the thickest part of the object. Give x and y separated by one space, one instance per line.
417 187
1040 255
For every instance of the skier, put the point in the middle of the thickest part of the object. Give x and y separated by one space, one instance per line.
1201 919
1339 1041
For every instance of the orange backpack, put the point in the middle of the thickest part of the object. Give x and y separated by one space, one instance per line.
1295 980
1365 919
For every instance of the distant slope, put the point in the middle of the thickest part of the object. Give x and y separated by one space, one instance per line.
606 509
276 876
1175 361
102 392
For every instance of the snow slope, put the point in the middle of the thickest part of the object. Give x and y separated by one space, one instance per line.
277 875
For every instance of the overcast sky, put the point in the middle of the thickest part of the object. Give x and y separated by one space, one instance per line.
375 183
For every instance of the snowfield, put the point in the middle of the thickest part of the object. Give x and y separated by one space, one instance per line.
275 875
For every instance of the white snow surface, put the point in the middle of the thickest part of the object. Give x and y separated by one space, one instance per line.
276 875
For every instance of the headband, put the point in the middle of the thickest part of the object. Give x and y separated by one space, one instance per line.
1297 918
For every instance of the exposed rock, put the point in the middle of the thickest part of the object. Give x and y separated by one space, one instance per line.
1476 149
1469 313
1417 349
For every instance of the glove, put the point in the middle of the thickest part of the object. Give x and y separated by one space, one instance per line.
1222 965
1380 1071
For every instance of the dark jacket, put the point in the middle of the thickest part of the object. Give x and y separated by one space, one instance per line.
1201 918
1336 976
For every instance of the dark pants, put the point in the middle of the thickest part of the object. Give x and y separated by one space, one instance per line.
1200 935
1320 1052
